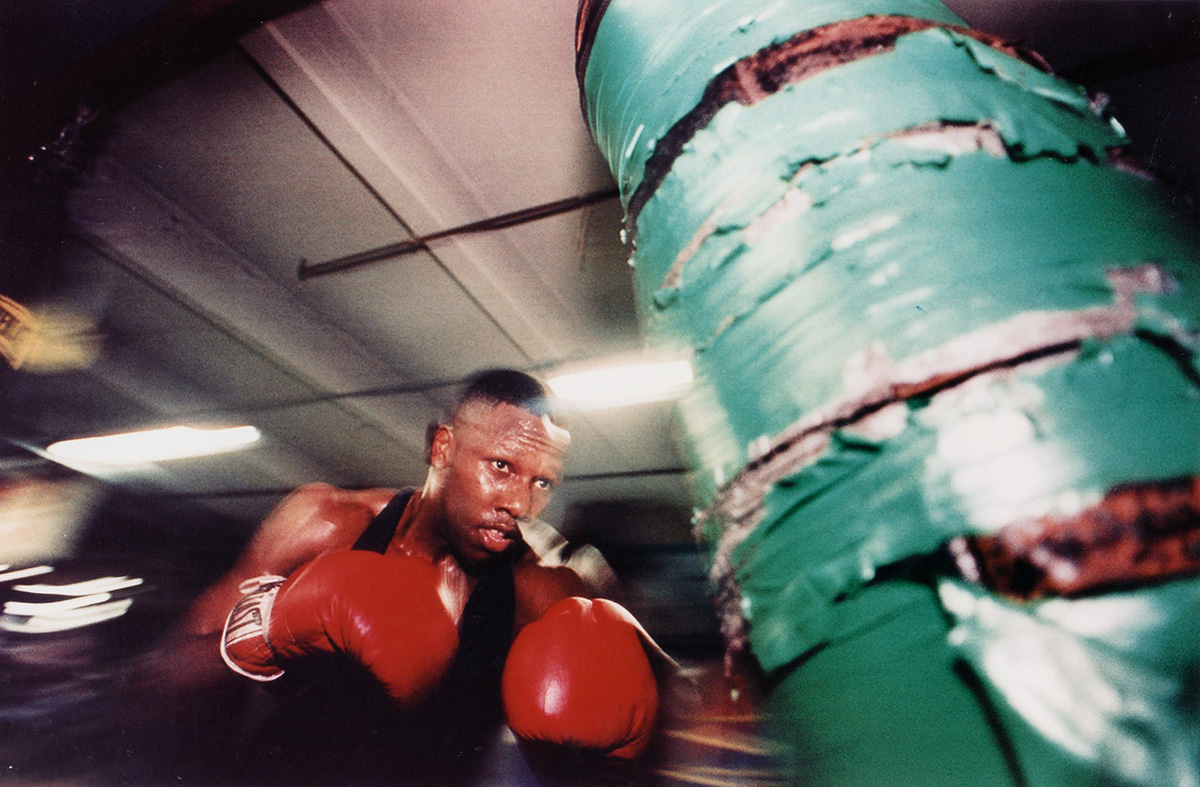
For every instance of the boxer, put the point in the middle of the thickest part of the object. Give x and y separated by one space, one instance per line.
424 592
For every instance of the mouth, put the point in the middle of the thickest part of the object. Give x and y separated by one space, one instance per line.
497 538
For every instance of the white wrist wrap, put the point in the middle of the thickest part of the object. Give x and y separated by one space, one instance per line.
245 647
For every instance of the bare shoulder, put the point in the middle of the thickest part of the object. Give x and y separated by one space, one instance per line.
312 520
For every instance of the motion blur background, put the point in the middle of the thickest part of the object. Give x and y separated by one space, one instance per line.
175 175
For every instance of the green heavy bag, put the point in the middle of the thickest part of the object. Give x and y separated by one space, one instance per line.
946 425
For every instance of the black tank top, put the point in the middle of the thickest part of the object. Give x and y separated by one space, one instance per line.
379 532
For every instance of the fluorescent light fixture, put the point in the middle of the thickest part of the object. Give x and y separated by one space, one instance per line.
617 386
155 445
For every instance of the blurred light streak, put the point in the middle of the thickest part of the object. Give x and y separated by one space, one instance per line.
617 386
153 445
22 573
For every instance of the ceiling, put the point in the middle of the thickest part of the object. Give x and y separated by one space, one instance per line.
229 143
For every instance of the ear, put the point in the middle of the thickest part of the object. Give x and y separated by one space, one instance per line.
441 448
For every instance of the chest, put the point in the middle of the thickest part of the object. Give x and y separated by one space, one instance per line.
454 588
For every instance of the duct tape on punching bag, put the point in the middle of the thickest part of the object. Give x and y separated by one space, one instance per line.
946 424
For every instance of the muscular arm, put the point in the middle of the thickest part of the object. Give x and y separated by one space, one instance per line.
311 521
187 669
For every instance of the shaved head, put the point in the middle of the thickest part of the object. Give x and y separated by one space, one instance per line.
508 387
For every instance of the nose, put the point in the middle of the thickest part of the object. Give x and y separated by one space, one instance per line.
516 500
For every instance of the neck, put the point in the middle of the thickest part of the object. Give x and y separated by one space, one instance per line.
416 534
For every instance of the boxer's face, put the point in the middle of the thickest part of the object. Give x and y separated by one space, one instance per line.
500 463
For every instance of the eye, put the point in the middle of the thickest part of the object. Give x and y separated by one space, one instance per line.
500 465
544 484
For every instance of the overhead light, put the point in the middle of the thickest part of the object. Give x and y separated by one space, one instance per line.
154 445
617 386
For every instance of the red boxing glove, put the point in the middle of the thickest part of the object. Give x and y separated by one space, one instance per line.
579 677
382 612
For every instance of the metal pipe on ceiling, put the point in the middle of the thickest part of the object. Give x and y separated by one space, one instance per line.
309 270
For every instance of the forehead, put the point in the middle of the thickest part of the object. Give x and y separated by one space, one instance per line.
503 427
